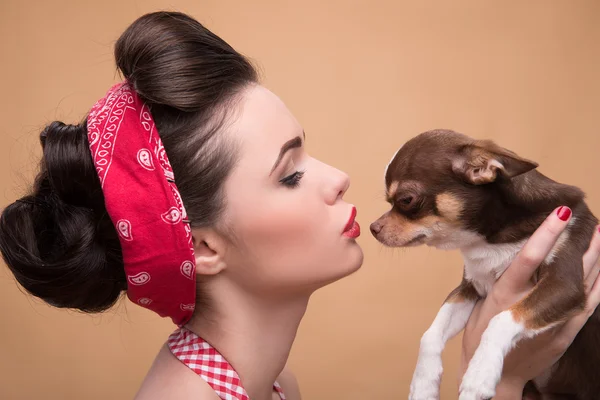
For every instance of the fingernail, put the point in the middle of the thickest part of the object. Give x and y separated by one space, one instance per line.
564 213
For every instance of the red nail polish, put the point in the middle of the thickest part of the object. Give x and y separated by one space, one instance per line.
564 213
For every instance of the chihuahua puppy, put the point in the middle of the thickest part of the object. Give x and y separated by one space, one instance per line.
450 191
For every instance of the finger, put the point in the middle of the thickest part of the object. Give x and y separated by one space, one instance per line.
591 266
594 296
574 325
537 248
570 329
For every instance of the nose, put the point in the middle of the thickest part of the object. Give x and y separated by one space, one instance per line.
376 228
338 185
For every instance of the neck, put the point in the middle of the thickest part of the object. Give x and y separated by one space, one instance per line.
254 334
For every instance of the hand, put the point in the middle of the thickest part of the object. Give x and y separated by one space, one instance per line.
533 356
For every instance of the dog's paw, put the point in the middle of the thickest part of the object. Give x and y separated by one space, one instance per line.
473 395
480 387
422 390
425 384
482 376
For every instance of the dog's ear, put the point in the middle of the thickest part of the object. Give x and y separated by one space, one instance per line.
483 162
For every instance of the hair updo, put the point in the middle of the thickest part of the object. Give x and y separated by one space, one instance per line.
59 241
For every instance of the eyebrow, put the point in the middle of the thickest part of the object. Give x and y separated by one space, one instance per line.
289 145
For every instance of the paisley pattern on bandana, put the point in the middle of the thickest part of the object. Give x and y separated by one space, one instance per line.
144 204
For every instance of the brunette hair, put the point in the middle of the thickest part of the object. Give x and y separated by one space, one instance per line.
58 241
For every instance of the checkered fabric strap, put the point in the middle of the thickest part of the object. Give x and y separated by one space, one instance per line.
206 361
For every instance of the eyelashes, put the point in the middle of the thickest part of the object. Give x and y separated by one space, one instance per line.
292 180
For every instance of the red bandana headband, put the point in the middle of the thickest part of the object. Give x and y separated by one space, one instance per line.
144 204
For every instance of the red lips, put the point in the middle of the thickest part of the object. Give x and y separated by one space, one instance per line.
352 229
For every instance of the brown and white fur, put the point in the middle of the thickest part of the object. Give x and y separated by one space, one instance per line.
450 191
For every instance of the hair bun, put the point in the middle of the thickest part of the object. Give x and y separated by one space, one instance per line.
171 59
59 242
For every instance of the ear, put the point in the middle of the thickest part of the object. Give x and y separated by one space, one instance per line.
208 250
485 162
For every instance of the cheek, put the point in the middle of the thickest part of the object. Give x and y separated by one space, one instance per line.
290 242
282 231
294 249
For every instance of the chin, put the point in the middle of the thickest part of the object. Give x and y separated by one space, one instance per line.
354 262
357 259
348 266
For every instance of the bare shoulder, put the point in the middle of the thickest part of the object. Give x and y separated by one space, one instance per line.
289 384
169 379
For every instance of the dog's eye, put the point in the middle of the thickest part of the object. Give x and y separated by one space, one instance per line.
406 200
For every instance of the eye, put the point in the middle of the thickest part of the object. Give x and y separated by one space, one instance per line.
406 200
292 180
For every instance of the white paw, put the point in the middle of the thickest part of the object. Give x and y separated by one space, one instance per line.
468 394
425 384
422 390
482 376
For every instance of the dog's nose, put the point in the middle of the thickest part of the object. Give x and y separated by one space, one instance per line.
376 228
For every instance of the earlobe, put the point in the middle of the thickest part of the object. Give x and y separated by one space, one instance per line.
208 255
477 174
485 162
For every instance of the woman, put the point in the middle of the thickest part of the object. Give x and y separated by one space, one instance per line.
223 223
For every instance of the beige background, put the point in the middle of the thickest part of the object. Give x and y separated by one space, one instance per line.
362 77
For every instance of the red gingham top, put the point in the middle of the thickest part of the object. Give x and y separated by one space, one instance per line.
206 361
